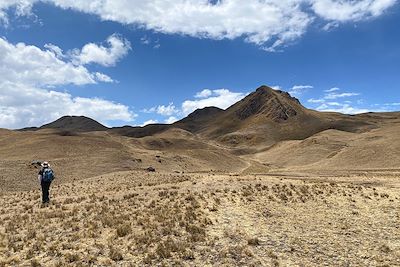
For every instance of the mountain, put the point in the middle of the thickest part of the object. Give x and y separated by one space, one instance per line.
199 119
261 119
75 124
266 117
273 104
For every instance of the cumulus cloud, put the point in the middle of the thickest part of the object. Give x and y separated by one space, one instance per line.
23 105
163 110
271 24
203 94
339 10
28 78
221 98
117 48
29 64
103 77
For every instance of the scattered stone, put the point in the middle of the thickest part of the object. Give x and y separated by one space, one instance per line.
151 169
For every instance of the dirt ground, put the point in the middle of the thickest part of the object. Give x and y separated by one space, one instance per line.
135 218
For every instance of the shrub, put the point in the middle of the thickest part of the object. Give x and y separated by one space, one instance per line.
253 241
124 230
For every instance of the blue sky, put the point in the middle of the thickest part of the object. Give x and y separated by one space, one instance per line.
129 65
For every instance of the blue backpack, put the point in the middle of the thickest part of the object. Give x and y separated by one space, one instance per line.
48 175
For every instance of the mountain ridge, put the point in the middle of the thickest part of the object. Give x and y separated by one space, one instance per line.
265 116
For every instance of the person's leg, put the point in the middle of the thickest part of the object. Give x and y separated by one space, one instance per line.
43 192
46 192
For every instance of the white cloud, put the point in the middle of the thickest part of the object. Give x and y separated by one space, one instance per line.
330 25
22 106
28 72
29 64
163 110
149 122
392 104
145 40
118 48
272 24
167 110
101 77
334 89
171 120
55 49
277 87
350 10
341 95
221 98
326 103
297 90
342 108
312 100
204 94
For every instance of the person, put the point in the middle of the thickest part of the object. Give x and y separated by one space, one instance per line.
45 177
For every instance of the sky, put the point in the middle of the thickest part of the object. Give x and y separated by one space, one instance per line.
138 62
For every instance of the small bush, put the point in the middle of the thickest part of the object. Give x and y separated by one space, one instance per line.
253 241
124 230
115 255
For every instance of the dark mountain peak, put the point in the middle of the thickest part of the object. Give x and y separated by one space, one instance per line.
75 123
275 104
266 90
263 89
204 112
199 119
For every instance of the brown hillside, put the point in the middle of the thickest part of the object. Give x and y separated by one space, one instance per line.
268 116
75 124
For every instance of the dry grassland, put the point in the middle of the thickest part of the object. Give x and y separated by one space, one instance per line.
161 219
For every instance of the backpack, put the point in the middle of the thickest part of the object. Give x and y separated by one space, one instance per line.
48 175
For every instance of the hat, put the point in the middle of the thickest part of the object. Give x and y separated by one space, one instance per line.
45 164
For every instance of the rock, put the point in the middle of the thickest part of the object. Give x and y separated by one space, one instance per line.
151 169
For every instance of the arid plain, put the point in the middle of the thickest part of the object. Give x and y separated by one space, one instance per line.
264 183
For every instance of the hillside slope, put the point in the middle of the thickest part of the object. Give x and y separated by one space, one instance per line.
333 149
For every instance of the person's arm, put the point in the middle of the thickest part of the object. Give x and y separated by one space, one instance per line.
40 176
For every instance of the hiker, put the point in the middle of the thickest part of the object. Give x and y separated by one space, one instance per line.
46 176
